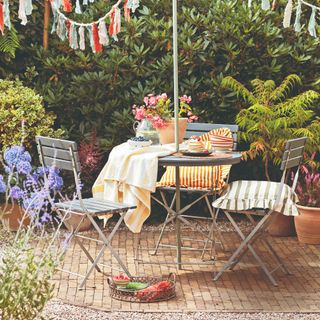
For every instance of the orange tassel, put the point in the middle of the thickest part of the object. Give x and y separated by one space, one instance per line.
96 39
67 6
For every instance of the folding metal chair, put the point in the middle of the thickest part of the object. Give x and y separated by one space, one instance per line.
195 129
64 155
238 194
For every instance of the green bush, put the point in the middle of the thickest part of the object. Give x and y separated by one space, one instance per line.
19 104
216 39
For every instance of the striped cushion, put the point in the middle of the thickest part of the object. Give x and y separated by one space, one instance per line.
246 195
199 177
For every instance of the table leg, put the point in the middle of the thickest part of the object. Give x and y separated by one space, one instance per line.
178 226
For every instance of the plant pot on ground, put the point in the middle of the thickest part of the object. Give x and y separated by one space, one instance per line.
308 190
13 216
73 220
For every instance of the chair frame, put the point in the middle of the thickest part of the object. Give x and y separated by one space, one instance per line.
195 129
292 158
64 155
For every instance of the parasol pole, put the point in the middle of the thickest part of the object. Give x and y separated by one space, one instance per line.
175 70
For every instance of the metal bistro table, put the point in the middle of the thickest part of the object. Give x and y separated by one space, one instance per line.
177 161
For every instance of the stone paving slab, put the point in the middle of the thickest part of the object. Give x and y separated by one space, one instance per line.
244 289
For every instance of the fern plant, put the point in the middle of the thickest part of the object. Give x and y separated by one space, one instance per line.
10 42
274 116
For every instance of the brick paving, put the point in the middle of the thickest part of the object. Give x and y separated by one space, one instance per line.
243 289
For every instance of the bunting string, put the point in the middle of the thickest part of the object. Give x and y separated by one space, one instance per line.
311 25
97 31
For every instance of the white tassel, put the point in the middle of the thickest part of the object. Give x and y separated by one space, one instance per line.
287 14
103 35
117 22
78 7
22 12
82 42
265 5
249 3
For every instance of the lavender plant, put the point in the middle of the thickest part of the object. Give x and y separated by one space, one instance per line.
21 184
28 265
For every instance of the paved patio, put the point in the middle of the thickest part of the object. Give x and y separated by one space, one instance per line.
244 289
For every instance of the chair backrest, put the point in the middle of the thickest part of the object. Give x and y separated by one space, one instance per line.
293 153
61 153
197 129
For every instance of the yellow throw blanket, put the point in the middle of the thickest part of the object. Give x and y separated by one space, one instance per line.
129 177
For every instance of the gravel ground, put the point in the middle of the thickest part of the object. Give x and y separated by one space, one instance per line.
57 310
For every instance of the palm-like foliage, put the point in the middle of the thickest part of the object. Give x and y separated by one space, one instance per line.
275 116
10 42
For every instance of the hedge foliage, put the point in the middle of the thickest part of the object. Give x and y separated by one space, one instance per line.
216 39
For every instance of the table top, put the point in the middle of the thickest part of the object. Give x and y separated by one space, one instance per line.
216 159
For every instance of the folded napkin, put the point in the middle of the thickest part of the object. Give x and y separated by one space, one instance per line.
130 176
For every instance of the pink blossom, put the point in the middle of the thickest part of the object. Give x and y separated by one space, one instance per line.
140 113
164 96
153 101
158 123
186 99
146 101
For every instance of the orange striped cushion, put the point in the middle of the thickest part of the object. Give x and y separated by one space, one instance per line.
199 177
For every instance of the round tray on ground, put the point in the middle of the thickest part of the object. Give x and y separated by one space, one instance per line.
154 296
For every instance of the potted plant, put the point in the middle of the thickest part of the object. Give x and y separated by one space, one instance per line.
158 110
20 188
308 190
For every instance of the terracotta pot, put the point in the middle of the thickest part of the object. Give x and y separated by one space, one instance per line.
282 226
166 135
13 217
73 221
308 225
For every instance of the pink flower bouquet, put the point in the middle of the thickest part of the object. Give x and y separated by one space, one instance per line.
159 110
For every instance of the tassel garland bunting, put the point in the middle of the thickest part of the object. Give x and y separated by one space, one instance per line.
82 42
115 23
297 23
67 6
1 18
96 40
103 34
265 5
312 27
287 14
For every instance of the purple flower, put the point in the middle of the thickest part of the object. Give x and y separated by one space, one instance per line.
15 154
16 193
46 217
3 187
54 179
24 167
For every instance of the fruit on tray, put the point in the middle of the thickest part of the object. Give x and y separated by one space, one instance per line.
136 285
154 292
121 280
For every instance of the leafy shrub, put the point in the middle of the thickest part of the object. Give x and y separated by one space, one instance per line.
274 116
216 39
19 104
